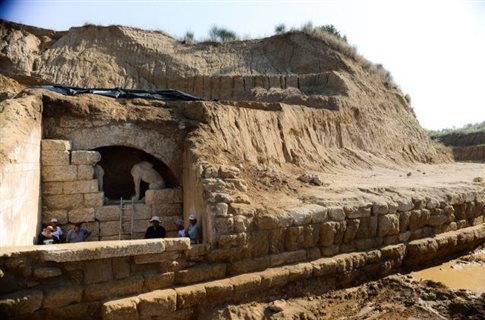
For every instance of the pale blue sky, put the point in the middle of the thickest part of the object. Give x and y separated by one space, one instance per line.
434 49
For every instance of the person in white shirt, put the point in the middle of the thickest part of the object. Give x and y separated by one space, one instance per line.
57 230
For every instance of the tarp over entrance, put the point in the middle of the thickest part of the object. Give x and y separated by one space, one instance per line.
119 93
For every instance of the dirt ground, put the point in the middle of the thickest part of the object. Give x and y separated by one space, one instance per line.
410 296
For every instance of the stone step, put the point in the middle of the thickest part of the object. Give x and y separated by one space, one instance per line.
184 302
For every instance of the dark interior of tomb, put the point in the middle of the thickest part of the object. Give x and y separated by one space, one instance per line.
117 162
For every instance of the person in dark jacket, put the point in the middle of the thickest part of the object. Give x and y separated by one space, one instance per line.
47 236
155 230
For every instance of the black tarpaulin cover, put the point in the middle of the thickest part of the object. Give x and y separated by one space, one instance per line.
119 93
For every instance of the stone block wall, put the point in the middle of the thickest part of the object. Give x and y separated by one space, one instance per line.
70 194
20 135
69 191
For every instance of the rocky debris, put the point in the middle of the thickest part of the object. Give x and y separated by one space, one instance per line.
394 297
312 178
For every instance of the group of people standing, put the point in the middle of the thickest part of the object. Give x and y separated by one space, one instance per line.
192 231
53 233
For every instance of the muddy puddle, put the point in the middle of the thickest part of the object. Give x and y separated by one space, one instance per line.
466 274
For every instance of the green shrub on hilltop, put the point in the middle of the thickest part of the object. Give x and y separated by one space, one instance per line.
222 34
469 128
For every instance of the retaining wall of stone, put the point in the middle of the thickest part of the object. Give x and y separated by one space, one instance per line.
189 302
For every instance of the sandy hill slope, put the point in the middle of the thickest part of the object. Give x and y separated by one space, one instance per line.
333 108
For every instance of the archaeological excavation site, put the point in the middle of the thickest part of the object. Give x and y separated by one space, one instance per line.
305 167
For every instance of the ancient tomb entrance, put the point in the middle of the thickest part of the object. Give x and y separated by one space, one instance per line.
117 163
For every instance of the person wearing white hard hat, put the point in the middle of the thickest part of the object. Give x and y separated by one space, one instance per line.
155 230
193 230
57 230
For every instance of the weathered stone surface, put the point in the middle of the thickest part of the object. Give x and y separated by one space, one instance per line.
81 215
388 225
49 188
62 296
56 202
59 173
108 213
272 221
164 196
190 296
85 157
418 218
120 309
157 303
156 257
405 204
93 200
46 272
163 210
274 277
55 145
120 267
351 230
106 249
80 186
60 215
327 233
380 208
158 281
226 172
109 228
438 220
172 244
336 214
21 302
245 283
300 271
54 158
97 271
287 257
85 172
117 288
199 273
219 289
224 225
241 223
248 265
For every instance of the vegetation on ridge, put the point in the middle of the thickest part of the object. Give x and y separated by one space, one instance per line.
469 128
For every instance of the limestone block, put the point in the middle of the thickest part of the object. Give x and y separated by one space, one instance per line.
394 252
62 296
156 257
214 185
85 157
177 244
190 296
359 212
276 240
405 204
300 271
59 173
248 265
219 290
432 203
327 233
210 172
81 215
120 309
54 158
108 213
287 257
158 281
237 184
294 238
404 221
117 288
336 214
163 210
141 212
245 283
55 145
351 230
164 196
218 209
93 200
109 228
380 208
199 273
232 240
121 267
49 188
22 302
274 277
267 221
241 223
418 218
97 271
46 272
81 186
217 197
224 225
437 220
63 201
60 215
404 237
311 235
324 266
388 225
85 172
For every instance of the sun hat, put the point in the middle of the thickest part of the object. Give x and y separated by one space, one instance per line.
155 218
54 220
192 216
